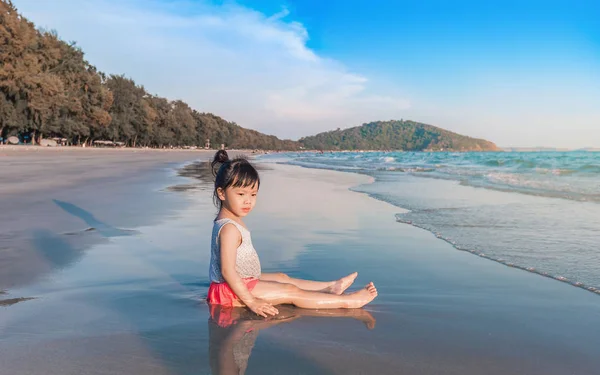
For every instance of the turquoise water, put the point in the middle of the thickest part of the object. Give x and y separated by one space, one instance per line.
538 211
568 175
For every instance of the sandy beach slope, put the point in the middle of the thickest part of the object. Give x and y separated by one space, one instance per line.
40 186
129 297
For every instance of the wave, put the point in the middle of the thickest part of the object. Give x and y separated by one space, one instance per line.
572 176
579 284
488 231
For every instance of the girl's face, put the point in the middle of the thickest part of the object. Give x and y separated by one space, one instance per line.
238 200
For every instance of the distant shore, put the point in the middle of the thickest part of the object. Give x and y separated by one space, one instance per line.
28 148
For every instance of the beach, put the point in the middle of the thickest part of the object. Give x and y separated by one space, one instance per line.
39 186
104 270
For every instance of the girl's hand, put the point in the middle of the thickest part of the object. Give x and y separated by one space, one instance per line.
262 308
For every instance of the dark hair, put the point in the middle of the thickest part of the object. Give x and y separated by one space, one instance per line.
236 172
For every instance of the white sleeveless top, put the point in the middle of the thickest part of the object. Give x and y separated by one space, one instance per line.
247 263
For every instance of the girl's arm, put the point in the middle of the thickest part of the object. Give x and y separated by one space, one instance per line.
229 240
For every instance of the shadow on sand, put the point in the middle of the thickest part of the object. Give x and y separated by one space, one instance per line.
93 224
24 262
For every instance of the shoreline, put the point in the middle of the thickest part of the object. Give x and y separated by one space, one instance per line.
480 254
531 270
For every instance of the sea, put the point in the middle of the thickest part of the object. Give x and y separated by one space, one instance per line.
536 211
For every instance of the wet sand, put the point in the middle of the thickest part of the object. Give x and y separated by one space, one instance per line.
48 195
132 300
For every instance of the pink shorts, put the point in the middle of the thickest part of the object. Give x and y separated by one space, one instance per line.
222 294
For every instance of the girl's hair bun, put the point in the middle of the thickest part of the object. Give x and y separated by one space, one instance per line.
220 158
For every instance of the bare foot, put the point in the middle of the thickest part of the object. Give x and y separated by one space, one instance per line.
362 297
342 284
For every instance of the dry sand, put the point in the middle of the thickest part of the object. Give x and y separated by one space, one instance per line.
29 168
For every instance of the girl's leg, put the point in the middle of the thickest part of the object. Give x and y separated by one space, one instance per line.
278 293
333 287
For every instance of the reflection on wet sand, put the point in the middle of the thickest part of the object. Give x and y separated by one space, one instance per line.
233 332
12 301
201 171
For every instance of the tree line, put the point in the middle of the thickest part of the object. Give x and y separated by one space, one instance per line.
48 89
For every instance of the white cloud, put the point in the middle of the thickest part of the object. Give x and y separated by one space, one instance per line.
233 61
282 14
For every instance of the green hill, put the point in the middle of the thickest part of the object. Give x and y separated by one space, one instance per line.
395 135
48 89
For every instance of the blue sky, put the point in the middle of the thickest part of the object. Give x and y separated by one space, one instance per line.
519 73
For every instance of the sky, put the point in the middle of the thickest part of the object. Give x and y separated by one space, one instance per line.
518 73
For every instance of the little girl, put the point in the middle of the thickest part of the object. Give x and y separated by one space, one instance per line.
235 273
